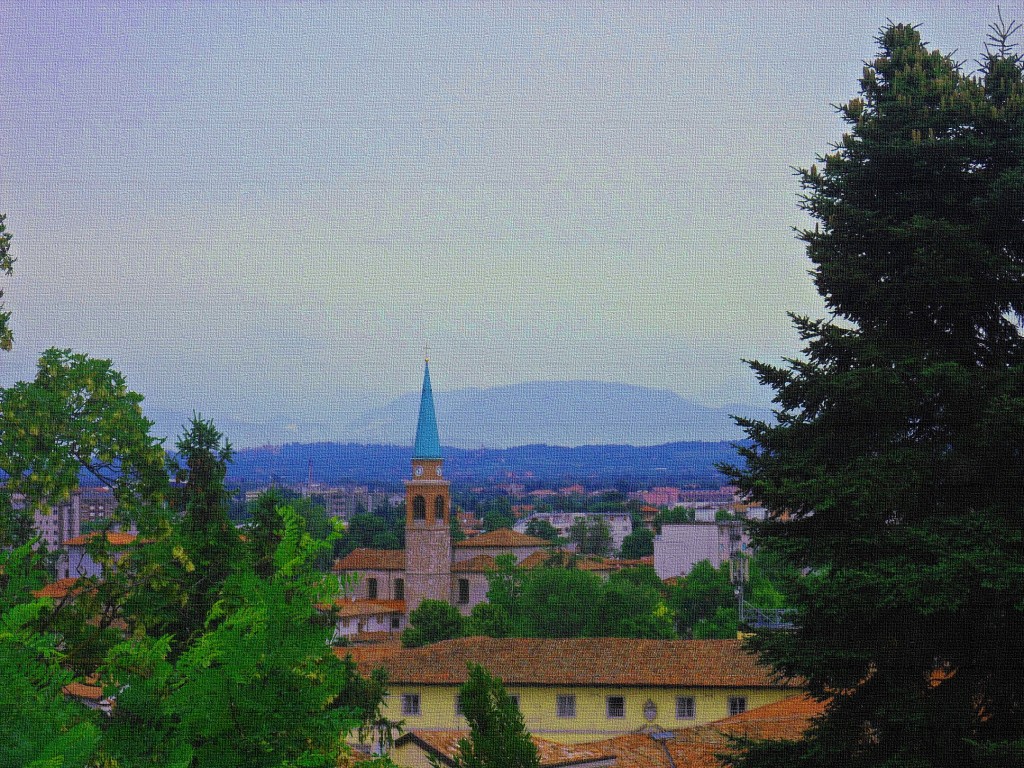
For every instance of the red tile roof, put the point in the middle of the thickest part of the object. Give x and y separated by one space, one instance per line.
585 661
445 745
83 691
475 564
59 589
114 538
504 537
560 559
697 747
349 608
372 560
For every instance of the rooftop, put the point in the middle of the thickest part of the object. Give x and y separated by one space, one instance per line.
350 608
114 538
445 745
372 560
504 537
585 661
697 747
59 589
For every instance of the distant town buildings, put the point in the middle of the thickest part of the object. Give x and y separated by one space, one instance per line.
620 524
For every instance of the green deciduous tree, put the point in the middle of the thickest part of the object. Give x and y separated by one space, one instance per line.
591 535
490 620
894 470
39 727
639 543
560 602
432 621
77 414
498 737
702 595
255 688
373 532
632 607
542 529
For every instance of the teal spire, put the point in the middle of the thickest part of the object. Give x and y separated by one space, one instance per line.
428 445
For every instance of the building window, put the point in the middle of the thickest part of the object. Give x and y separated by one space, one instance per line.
737 705
458 705
463 591
419 508
396 622
410 704
686 708
565 705
616 706
515 699
371 589
439 508
399 589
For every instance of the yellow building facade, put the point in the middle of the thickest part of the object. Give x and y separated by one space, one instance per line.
577 690
437 708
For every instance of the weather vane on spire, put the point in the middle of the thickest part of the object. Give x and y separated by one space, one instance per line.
426 353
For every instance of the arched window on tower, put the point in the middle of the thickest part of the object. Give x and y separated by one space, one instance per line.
439 508
419 508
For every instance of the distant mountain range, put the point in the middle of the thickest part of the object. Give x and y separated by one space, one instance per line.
554 413
563 413
688 463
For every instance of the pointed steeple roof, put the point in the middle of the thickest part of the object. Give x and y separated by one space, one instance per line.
428 445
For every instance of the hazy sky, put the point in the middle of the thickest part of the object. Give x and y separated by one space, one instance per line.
259 208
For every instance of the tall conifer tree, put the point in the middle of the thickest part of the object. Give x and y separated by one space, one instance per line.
894 473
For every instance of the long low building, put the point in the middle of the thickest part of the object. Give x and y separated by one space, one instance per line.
575 690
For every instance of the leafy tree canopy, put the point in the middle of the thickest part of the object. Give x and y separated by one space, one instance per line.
432 621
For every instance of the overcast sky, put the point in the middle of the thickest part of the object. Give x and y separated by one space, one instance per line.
258 208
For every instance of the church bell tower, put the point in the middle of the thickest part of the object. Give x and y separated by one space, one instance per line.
428 542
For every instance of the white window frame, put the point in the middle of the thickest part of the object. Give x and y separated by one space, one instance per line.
565 705
686 708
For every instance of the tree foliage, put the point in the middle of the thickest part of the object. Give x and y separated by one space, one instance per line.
76 415
542 529
591 535
638 543
255 689
432 621
498 737
41 728
893 471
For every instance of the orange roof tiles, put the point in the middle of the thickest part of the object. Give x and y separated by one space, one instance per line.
475 564
83 691
370 655
697 747
59 589
114 538
503 537
445 745
585 661
349 608
372 560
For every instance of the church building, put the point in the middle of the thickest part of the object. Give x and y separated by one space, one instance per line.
391 583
